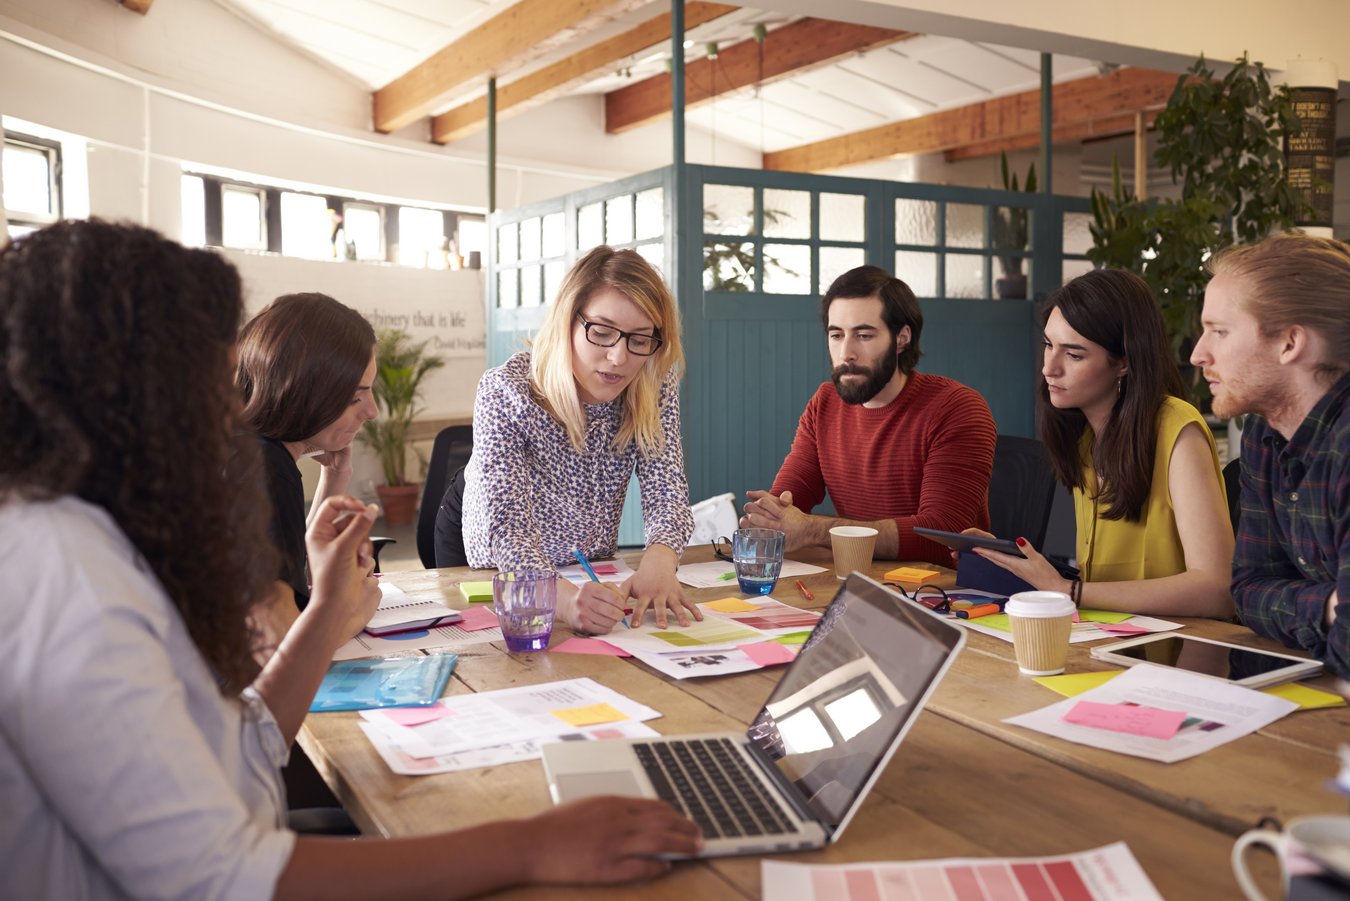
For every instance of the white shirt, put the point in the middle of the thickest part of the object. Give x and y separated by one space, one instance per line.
124 772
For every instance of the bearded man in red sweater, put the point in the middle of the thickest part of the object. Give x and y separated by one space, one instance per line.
894 448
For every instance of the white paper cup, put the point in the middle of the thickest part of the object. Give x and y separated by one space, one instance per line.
853 546
1040 621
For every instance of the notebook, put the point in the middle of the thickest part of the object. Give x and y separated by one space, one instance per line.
400 613
798 774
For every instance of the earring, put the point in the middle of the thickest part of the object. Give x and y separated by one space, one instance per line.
1119 384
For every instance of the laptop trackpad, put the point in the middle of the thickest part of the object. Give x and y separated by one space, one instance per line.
585 785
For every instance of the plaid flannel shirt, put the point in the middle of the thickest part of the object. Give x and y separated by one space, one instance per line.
1293 541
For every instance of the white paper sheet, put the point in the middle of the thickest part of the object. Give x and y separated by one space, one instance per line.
406 765
576 574
721 574
1109 873
707 648
1217 712
488 719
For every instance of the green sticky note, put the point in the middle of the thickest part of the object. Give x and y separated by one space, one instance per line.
475 592
1103 616
792 638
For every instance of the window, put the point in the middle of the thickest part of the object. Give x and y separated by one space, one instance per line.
241 212
192 228
421 237
473 239
364 225
308 229
32 177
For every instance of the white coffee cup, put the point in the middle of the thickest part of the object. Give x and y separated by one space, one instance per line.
1302 848
853 547
1040 623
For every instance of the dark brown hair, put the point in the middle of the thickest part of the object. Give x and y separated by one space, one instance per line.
300 362
1295 279
899 306
116 389
1115 309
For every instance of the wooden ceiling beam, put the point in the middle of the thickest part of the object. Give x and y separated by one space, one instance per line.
1093 129
566 75
1016 116
137 6
797 46
520 34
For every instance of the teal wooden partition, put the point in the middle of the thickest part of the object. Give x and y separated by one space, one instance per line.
749 253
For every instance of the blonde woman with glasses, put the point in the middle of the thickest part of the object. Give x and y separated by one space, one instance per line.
560 429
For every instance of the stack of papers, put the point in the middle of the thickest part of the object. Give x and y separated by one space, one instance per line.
1159 713
493 727
719 573
735 636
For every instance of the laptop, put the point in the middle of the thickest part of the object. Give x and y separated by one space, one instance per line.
795 778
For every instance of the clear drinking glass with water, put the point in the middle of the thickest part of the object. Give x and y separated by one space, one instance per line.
758 557
525 602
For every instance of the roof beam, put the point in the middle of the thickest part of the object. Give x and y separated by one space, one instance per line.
797 46
568 74
1001 119
137 6
519 34
1091 130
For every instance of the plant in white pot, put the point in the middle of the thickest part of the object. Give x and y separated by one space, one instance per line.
400 366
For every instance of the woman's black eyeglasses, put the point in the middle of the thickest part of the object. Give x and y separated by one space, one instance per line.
608 336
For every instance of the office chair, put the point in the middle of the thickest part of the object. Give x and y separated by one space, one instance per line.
1232 483
449 454
1022 489
449 533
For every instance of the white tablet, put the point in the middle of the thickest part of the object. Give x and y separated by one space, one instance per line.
1244 666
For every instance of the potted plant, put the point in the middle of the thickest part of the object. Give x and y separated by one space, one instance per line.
400 366
1011 235
1222 140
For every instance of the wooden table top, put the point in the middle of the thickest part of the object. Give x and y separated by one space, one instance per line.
963 783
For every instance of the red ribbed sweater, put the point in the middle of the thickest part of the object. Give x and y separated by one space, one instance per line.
924 459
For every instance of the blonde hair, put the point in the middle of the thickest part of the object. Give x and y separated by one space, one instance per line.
1295 279
551 359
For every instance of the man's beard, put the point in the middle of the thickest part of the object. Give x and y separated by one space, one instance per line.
877 379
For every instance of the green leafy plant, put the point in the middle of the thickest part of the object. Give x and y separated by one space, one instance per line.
400 366
1222 141
1012 224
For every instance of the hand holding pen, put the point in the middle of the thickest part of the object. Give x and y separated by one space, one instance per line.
599 607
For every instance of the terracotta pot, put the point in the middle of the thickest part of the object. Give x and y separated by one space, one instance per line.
399 502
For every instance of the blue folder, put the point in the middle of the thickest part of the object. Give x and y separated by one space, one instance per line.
384 682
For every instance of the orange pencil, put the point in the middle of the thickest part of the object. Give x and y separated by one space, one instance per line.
806 592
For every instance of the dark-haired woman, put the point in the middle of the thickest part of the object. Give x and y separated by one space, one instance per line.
1153 529
139 739
306 370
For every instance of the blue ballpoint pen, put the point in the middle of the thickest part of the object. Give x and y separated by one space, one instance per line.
586 565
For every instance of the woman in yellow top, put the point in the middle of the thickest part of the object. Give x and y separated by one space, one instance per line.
1153 529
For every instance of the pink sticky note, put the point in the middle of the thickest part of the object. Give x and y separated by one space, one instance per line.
1131 719
605 569
1122 628
416 716
589 646
476 618
767 653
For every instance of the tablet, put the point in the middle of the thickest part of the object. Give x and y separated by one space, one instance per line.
1251 667
959 542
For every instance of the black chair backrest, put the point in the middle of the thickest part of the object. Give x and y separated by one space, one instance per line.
1232 484
1022 489
450 525
451 450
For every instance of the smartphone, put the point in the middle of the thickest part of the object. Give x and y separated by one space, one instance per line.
959 542
1251 667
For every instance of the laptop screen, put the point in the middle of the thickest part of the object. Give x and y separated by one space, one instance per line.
846 700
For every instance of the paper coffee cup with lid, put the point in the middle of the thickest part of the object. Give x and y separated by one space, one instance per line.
1040 621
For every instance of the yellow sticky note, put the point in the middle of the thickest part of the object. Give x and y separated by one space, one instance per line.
1306 698
593 715
911 574
730 605
1071 684
476 591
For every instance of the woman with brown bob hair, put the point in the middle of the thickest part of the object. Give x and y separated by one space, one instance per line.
1154 534
139 740
306 369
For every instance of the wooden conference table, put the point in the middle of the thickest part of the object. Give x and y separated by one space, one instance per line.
963 783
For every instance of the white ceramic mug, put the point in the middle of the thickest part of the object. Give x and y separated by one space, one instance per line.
1326 837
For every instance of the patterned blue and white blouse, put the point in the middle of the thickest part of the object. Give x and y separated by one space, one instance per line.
530 498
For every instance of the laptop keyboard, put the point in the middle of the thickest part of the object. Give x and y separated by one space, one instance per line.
709 781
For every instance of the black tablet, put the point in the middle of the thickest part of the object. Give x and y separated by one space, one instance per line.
959 542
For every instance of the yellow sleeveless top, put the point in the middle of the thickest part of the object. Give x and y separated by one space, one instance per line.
1117 550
